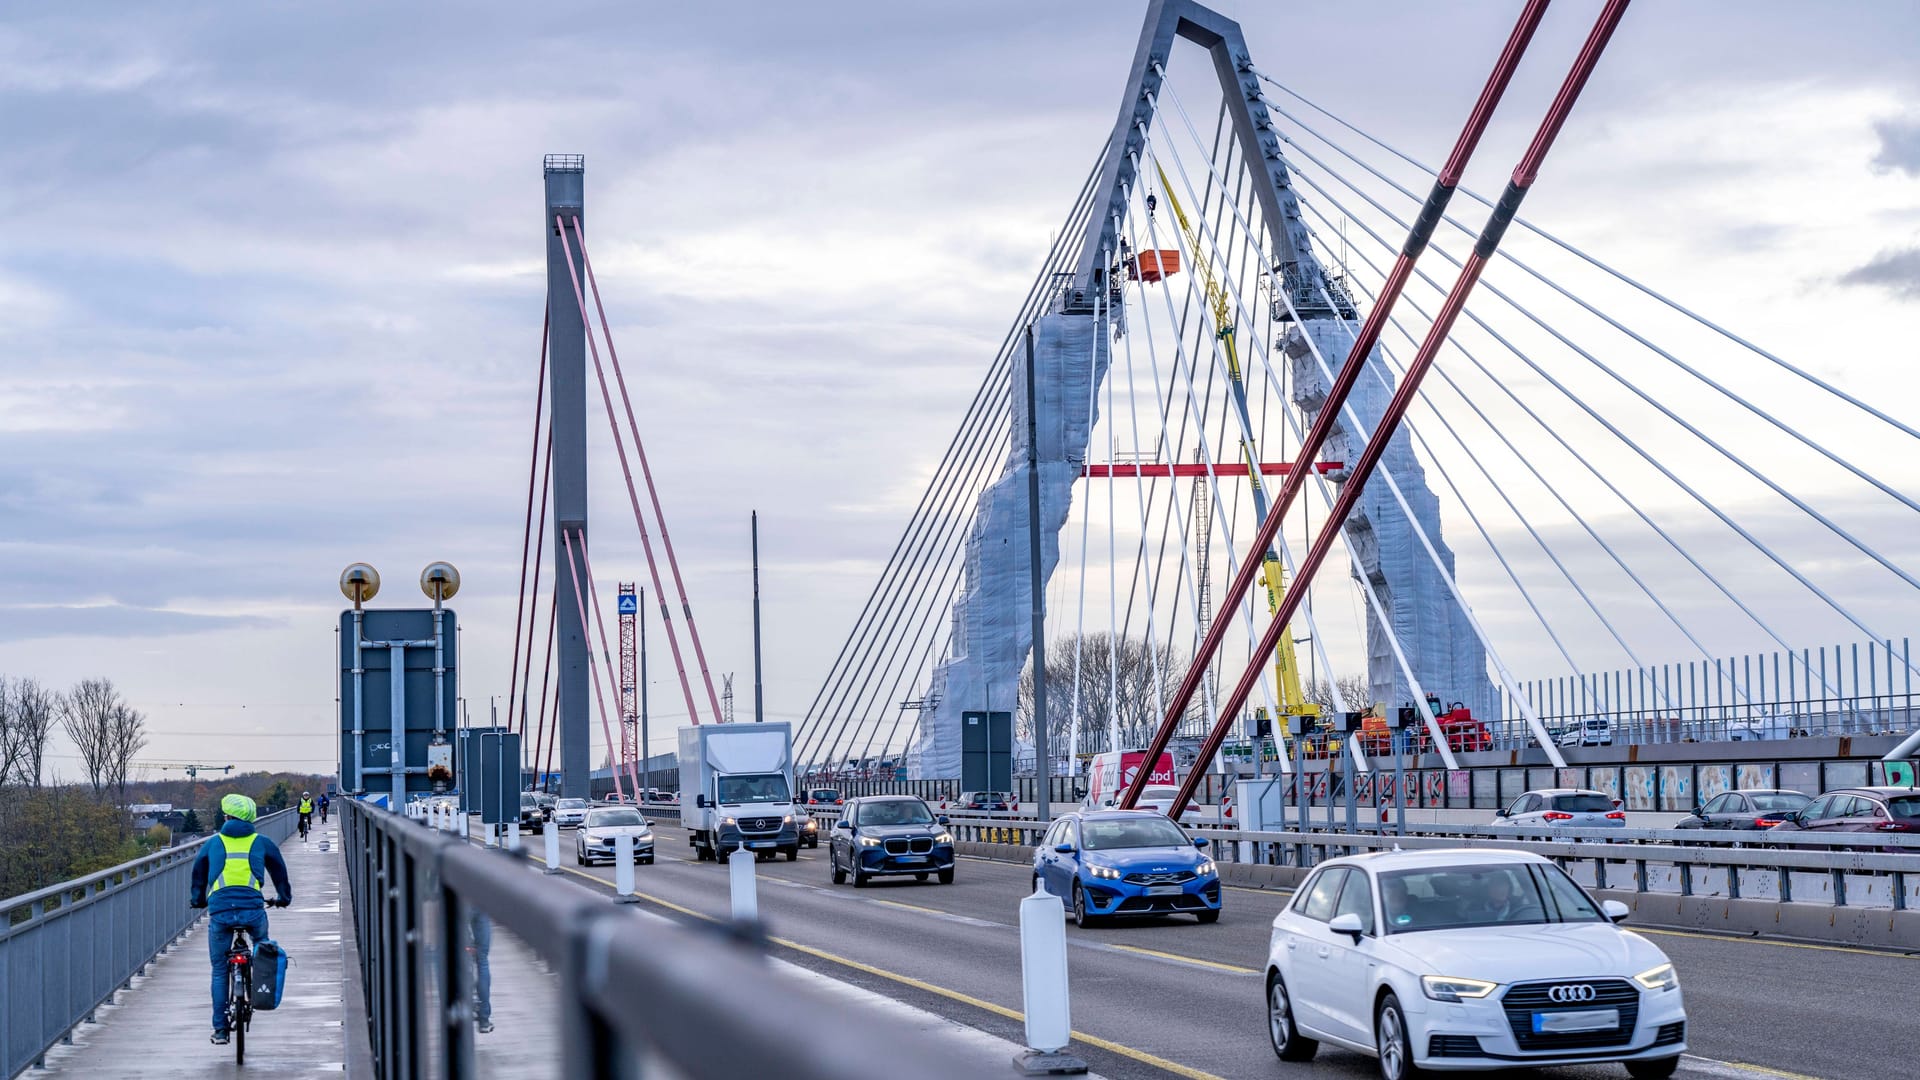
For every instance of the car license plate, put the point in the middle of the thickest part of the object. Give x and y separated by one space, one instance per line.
761 843
1164 890
910 858
1558 1023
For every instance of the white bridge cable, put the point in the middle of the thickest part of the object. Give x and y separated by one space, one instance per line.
1250 445
1527 462
1183 364
1360 434
1593 414
1582 255
1728 392
1209 704
1745 534
1378 607
981 436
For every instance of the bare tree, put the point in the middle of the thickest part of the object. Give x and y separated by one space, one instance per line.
87 712
11 748
126 734
34 711
1353 687
1116 682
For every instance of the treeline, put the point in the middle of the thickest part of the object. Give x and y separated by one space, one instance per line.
52 830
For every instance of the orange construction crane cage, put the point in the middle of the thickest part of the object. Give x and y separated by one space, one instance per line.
1154 265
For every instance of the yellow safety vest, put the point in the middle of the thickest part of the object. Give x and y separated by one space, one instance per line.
306 806
238 867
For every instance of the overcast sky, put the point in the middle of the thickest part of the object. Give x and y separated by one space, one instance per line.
271 280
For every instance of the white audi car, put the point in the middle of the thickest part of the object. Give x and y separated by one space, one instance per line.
1467 959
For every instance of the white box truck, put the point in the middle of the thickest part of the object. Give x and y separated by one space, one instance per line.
736 789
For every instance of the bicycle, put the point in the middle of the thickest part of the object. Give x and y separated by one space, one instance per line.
306 823
239 990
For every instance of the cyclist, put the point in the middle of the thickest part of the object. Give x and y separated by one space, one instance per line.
227 878
324 803
306 813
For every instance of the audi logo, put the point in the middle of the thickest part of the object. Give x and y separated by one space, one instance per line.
1573 992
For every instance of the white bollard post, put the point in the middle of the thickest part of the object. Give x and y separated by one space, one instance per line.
513 836
552 834
623 870
492 838
746 899
1043 987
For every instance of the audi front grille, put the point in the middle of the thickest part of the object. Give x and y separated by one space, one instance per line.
1525 999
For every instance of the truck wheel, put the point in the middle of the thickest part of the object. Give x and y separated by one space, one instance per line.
793 853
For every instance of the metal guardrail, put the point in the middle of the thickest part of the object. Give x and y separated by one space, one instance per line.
1694 855
704 1001
65 950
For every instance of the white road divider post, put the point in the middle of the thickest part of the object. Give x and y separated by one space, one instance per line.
552 835
623 870
1043 987
746 900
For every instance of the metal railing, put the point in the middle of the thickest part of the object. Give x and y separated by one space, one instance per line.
65 950
1685 862
702 1001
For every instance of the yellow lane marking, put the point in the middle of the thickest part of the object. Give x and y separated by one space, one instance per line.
912 907
1762 1069
1235 968
918 984
998 1010
1853 949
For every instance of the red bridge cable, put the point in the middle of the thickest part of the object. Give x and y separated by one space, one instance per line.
552 733
1483 250
646 471
625 760
1316 436
633 496
531 754
533 597
573 568
526 532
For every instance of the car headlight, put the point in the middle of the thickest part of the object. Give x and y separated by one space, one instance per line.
1660 978
591 839
1108 872
786 819
869 841
1443 988
1205 869
944 838
729 821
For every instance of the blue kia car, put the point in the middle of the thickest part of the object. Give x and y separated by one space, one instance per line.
1126 863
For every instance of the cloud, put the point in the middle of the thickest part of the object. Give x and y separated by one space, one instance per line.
1896 271
22 622
1899 145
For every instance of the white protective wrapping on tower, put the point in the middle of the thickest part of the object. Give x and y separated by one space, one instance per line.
1439 642
993 615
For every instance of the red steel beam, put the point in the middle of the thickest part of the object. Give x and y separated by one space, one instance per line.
1230 469
1483 249
1422 232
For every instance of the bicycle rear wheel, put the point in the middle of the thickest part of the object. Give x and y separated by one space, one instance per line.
240 1010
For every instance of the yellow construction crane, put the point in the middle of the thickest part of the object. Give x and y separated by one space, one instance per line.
1292 700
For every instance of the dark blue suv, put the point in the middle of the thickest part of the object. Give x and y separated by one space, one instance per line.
1126 863
890 835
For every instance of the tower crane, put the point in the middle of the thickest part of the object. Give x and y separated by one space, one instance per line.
1292 700
193 770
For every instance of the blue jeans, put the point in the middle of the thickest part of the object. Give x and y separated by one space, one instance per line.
218 938
480 927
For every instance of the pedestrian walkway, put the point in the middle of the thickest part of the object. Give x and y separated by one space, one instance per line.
158 1028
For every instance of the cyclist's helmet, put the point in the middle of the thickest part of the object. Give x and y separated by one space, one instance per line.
239 806
306 794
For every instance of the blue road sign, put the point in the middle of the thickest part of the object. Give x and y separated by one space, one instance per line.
629 605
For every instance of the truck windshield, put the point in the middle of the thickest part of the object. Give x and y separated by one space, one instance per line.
761 788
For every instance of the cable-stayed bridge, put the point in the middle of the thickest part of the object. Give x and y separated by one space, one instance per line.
1263 340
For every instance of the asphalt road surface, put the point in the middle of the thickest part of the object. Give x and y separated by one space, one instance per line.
1170 997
